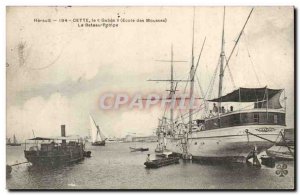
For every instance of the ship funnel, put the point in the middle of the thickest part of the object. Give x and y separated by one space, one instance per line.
63 130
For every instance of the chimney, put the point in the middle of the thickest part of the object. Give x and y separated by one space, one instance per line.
63 130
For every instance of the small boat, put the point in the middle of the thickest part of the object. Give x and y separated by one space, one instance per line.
98 143
161 162
284 149
98 138
87 153
132 149
14 143
281 152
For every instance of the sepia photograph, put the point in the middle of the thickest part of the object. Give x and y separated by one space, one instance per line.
150 98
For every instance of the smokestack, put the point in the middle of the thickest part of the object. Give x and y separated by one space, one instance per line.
63 130
98 127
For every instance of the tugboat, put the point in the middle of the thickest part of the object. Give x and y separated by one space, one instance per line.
14 143
54 151
98 138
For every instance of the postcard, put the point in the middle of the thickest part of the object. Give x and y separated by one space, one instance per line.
150 98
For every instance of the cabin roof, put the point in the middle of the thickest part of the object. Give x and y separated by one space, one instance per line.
248 95
40 138
71 137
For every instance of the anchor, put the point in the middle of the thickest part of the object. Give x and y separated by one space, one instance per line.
255 161
253 153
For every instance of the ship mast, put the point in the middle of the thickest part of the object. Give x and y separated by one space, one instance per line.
15 140
192 79
172 92
173 85
222 56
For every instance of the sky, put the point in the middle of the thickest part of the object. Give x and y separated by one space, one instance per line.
56 72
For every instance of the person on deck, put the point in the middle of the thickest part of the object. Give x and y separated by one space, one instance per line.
223 109
215 108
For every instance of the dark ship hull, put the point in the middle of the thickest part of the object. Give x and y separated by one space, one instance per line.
98 143
13 144
161 162
48 159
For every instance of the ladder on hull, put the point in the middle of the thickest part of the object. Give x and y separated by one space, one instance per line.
184 143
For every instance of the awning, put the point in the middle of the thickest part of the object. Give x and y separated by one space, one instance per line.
40 138
70 137
248 95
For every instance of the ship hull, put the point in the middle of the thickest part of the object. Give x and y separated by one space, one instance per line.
98 143
138 149
13 144
232 144
39 159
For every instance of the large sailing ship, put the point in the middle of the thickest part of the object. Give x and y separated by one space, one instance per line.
233 125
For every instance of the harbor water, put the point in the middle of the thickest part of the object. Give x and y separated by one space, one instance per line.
115 167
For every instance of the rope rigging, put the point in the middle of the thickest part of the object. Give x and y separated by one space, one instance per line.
251 60
237 41
202 94
231 76
212 82
210 88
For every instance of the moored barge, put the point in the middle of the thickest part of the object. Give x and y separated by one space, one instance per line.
161 162
45 151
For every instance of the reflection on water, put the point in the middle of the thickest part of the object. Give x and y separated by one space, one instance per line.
115 167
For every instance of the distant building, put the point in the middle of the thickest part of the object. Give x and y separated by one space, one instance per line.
152 138
128 138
